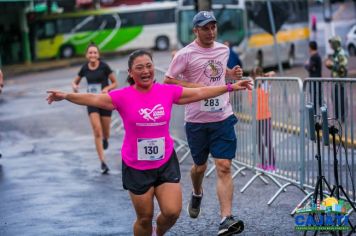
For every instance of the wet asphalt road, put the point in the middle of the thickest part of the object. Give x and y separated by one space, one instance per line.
50 183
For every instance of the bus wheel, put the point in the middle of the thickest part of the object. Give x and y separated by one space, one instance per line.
291 57
259 59
162 43
67 51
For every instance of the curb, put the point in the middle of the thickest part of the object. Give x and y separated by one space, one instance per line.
20 69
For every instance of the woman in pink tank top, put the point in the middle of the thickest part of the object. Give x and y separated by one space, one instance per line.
150 167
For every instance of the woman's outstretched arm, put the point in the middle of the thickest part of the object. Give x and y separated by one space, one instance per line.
96 100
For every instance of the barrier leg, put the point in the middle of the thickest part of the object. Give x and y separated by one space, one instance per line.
301 202
114 122
277 193
211 168
179 147
184 157
283 188
238 169
181 144
258 174
276 182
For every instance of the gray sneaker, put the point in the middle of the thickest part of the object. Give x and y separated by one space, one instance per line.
230 226
194 205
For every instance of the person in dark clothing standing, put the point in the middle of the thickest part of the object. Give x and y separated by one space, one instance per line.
313 65
234 59
314 68
98 74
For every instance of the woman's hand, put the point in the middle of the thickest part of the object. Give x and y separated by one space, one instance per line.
105 90
242 85
75 87
55 96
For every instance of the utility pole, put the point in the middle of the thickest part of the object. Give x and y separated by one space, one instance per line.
275 42
203 5
329 30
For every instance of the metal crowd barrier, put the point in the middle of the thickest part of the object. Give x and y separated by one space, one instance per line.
281 147
338 96
295 160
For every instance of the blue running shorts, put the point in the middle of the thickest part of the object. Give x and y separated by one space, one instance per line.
217 138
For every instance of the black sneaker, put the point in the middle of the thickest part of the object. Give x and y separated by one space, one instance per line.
230 226
105 144
194 205
104 168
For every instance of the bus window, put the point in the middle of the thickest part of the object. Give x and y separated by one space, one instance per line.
109 21
131 19
230 25
185 27
46 30
87 23
65 25
158 17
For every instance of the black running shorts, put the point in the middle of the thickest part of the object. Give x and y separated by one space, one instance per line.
140 181
102 112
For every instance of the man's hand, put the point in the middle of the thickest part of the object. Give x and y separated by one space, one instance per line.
235 73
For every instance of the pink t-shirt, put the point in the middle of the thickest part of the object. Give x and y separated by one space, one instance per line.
147 143
205 66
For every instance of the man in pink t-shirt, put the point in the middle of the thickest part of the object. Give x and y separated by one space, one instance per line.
209 123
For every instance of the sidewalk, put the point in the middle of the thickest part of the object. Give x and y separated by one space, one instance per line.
19 69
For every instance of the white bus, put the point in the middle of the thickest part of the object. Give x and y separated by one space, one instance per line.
237 24
147 25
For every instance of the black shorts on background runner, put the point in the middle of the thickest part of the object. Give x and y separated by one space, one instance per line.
102 112
140 181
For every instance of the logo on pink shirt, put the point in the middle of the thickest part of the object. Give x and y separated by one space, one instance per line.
152 114
213 70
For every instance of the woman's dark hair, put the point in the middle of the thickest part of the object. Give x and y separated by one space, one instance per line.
132 57
91 44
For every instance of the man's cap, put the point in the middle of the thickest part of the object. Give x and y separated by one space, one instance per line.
202 18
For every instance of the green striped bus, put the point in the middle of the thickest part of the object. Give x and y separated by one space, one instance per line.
147 25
